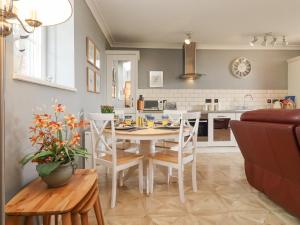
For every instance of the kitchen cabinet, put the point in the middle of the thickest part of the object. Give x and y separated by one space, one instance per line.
219 131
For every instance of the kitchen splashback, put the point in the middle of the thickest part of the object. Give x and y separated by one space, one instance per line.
228 99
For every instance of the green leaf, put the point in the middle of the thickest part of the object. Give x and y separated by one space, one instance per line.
43 154
46 168
27 158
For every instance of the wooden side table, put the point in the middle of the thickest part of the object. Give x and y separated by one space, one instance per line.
36 199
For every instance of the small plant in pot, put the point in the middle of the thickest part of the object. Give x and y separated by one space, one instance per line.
58 144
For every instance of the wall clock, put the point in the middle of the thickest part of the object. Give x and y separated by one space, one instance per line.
241 67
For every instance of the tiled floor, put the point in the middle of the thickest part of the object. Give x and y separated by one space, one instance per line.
223 198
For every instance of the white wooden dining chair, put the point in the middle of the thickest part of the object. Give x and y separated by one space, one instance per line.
186 153
104 151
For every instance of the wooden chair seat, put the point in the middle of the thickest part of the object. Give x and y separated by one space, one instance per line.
167 155
123 157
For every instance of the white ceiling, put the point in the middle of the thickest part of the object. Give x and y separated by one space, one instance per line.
213 23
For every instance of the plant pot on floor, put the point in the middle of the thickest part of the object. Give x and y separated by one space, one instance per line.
60 176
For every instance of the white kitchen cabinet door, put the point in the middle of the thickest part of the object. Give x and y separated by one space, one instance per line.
219 131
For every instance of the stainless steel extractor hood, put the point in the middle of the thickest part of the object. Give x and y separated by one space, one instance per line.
189 51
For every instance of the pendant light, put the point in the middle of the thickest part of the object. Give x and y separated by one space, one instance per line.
264 43
188 39
274 41
32 13
284 42
252 43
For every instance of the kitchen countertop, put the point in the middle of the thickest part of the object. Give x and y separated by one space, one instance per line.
222 111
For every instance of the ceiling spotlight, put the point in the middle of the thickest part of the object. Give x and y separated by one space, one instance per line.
284 42
264 43
252 43
188 39
274 41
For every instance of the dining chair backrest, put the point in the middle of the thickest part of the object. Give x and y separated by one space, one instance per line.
98 123
174 114
187 132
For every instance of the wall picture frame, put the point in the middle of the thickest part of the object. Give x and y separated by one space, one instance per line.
90 80
90 51
97 58
156 79
97 82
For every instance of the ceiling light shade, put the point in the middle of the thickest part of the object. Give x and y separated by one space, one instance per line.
264 43
252 43
42 12
274 41
284 42
188 39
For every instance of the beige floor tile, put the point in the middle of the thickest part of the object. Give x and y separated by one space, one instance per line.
224 197
242 201
164 205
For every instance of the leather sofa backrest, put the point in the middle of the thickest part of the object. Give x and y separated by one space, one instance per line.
273 116
272 146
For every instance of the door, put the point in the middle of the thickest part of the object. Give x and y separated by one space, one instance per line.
219 131
122 73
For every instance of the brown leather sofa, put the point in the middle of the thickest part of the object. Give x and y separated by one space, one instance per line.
270 143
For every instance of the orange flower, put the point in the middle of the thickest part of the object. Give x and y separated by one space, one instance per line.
55 126
75 139
41 120
33 139
59 108
71 121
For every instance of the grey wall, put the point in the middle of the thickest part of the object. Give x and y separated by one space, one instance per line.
22 98
269 68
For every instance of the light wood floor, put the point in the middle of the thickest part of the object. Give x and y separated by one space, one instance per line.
223 198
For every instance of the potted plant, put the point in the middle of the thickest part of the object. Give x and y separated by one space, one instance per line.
57 140
107 109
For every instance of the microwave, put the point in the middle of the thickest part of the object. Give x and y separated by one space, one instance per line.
154 105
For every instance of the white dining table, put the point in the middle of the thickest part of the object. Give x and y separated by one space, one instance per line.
147 137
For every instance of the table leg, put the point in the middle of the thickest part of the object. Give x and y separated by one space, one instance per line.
66 219
13 220
47 220
146 147
98 212
75 219
28 220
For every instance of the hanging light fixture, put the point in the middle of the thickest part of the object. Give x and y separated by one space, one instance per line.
274 41
264 43
188 39
254 40
284 42
32 13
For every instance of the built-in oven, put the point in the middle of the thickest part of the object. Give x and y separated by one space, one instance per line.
154 105
203 128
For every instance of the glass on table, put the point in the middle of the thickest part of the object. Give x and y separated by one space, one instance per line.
150 121
128 120
165 120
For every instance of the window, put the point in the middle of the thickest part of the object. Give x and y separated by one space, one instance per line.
45 56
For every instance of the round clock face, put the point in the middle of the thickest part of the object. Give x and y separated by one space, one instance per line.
241 67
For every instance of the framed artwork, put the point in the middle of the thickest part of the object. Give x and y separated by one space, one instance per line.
156 79
90 80
90 51
97 58
97 82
